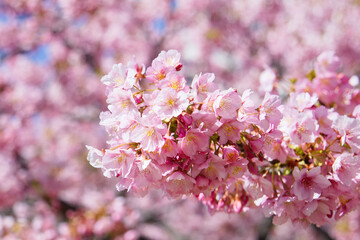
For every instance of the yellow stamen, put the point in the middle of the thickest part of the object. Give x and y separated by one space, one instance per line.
124 103
170 102
159 75
150 132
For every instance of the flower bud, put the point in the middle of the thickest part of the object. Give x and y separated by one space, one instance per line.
178 66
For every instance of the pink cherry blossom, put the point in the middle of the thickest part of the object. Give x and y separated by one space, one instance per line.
213 168
230 131
349 130
304 128
94 157
269 111
52 57
206 121
157 71
346 169
118 161
169 58
121 101
230 154
193 142
202 85
170 103
120 76
248 111
327 62
356 112
227 103
232 158
169 149
272 146
163 64
309 185
178 184
302 101
258 187
267 80
175 81
237 169
149 133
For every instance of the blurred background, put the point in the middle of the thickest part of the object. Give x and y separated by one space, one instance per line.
52 56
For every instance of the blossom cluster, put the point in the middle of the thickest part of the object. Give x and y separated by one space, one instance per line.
116 220
296 160
52 54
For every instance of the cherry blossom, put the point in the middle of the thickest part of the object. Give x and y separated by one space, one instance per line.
230 152
346 169
53 55
308 185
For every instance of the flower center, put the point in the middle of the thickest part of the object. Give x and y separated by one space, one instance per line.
306 182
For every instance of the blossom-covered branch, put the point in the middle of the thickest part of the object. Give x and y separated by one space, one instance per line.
297 160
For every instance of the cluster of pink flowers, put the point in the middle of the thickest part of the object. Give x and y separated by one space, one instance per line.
38 221
52 54
296 160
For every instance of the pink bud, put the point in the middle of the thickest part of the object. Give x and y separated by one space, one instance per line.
221 203
178 66
185 119
181 131
237 206
138 98
252 168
